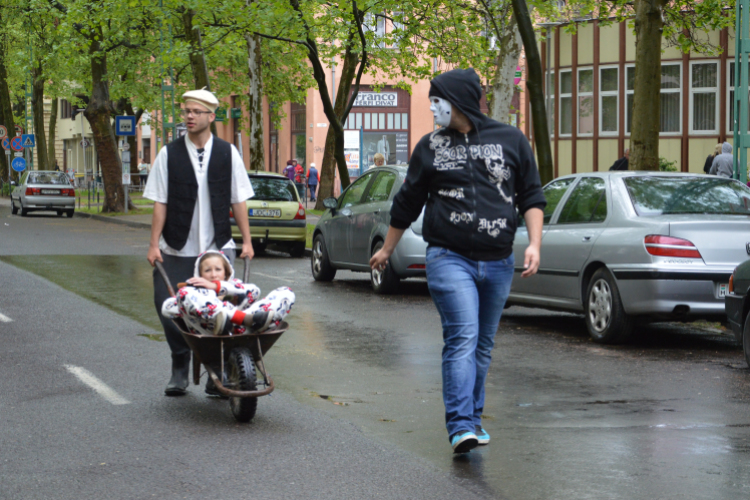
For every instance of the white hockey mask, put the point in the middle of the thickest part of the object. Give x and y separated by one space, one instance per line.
441 110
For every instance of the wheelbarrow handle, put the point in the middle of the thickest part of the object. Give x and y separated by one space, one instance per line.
246 274
164 276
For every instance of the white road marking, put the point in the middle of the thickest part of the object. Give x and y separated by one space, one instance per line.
265 275
103 389
4 318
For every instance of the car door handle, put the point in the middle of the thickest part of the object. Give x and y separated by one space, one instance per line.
586 238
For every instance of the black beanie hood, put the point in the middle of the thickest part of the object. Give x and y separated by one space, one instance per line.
462 88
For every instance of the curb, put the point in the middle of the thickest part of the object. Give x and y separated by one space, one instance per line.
113 220
139 225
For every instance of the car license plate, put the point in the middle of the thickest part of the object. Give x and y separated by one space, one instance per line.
264 212
721 290
50 191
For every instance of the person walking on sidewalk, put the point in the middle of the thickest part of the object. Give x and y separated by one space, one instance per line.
194 182
472 173
313 178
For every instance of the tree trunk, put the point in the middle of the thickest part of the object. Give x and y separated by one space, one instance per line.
644 138
506 62
51 149
6 110
536 94
255 102
196 55
99 114
37 109
333 154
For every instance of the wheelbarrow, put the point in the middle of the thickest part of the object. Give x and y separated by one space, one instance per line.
236 356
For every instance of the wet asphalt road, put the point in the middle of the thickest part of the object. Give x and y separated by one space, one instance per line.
358 410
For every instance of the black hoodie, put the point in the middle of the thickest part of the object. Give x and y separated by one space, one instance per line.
471 183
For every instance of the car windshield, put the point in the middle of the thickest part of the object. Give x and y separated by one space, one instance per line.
55 178
270 189
655 195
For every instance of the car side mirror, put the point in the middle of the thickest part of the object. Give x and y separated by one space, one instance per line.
330 203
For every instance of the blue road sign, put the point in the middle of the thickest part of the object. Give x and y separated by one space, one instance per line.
6 142
16 144
18 164
124 125
27 140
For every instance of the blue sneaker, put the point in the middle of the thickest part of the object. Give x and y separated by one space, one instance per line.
464 442
482 436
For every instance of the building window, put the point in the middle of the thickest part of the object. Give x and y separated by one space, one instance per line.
730 97
66 110
670 110
585 101
549 84
704 96
566 102
608 100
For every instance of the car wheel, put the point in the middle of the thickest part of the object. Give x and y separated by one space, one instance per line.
298 249
59 213
24 211
322 270
746 339
70 213
606 319
385 281
13 207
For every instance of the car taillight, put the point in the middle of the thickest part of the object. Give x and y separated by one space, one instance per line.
32 191
730 287
231 214
668 246
300 212
68 192
416 266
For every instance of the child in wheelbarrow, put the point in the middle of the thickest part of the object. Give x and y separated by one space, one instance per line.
202 307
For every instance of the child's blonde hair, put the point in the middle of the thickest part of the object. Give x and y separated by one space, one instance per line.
213 255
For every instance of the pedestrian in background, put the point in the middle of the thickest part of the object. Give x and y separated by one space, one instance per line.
622 163
710 159
194 182
723 164
378 161
289 170
472 173
313 179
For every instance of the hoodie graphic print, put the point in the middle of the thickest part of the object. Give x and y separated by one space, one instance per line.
471 183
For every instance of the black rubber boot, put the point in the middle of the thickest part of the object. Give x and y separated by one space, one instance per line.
178 384
211 389
259 320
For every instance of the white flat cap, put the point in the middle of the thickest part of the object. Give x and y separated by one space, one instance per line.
203 97
312 164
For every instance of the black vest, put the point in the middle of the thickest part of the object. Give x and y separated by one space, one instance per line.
182 192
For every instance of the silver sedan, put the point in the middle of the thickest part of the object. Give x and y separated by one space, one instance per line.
625 246
43 190
354 227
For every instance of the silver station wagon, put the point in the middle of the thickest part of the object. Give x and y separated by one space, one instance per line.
354 227
625 246
43 190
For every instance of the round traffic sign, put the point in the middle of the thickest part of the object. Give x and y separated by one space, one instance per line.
18 164
19 130
3 132
16 143
126 147
84 143
6 143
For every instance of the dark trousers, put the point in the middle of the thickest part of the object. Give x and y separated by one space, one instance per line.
312 187
179 270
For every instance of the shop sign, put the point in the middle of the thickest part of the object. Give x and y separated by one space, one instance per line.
352 153
376 100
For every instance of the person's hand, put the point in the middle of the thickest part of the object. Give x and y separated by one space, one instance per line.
247 250
199 282
379 260
530 261
153 255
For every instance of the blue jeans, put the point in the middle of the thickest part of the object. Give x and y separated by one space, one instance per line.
470 296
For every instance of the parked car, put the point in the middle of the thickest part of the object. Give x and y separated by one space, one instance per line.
621 246
275 214
354 227
737 304
43 190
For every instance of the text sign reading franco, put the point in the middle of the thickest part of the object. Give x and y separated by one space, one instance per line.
376 100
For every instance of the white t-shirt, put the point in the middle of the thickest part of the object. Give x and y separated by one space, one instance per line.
201 236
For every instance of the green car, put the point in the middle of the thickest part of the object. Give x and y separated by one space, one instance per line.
737 304
275 214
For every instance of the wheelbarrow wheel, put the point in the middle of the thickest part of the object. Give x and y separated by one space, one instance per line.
242 378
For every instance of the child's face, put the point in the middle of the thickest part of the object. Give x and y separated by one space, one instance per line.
212 269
